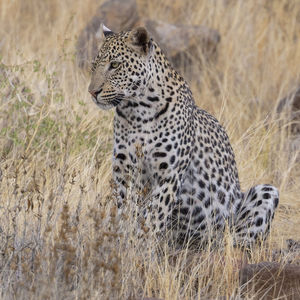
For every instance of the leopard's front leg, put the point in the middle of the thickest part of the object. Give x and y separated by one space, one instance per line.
164 199
120 173
166 206
129 176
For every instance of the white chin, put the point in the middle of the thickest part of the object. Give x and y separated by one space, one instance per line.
104 106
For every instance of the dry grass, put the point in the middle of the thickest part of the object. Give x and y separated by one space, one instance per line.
59 233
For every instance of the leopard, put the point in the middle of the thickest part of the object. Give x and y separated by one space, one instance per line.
178 155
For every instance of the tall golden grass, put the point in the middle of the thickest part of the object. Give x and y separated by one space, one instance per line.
60 236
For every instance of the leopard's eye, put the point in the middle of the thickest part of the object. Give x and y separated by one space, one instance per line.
114 64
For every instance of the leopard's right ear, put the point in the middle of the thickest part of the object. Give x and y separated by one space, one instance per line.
102 33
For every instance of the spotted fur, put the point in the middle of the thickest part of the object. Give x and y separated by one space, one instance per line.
178 154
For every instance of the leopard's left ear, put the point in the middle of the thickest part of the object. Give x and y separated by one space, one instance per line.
139 40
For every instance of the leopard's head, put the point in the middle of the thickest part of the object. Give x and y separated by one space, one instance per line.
121 69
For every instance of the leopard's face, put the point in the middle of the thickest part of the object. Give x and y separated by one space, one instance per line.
121 68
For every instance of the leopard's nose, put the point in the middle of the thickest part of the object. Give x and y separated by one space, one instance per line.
95 93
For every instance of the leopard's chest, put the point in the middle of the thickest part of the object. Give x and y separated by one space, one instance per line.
136 146
149 148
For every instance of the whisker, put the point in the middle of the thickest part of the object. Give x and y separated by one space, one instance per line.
116 101
120 96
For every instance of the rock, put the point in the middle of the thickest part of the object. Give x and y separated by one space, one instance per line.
270 280
181 43
290 105
288 109
117 15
